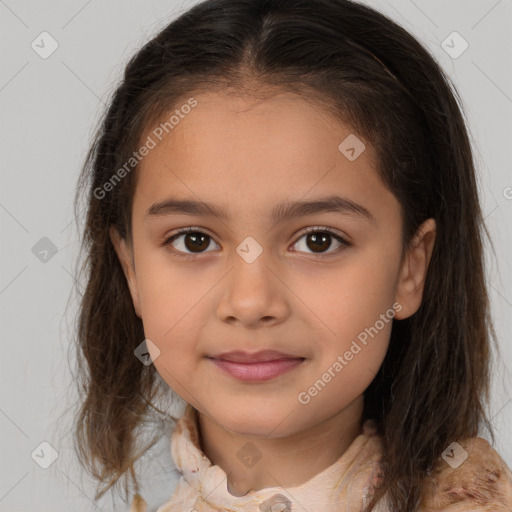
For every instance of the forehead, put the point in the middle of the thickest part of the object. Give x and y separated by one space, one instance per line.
222 121
254 151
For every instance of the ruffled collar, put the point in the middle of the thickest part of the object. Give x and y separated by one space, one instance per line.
345 485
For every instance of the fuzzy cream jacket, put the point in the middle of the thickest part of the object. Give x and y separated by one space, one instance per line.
472 477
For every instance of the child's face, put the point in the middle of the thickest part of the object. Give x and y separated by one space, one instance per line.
300 296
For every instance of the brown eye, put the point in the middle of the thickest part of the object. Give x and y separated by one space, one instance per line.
192 241
319 240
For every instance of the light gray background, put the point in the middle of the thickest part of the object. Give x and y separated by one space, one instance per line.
49 108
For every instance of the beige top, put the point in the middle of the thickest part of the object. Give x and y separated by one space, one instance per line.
482 482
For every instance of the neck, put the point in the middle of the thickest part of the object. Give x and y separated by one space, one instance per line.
283 461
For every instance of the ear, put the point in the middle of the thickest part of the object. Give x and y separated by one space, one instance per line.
413 272
125 255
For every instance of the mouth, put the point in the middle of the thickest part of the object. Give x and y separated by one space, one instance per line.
260 366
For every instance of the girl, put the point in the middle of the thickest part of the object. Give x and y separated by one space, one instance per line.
283 228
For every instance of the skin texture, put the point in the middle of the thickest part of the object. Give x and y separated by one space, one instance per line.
309 301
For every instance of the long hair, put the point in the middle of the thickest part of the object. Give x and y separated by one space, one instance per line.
370 73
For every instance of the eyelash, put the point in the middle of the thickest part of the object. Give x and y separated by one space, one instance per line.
319 229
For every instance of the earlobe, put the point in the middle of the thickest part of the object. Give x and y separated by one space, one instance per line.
124 253
411 281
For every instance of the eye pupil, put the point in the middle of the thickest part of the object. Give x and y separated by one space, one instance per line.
318 239
196 241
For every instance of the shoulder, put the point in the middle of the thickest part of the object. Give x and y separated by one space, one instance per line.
470 476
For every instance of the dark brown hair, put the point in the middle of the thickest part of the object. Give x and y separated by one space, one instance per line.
368 72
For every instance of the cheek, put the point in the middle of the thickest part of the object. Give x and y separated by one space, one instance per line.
356 312
354 346
350 300
172 318
173 301
170 295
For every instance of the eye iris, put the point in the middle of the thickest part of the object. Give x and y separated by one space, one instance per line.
197 241
317 239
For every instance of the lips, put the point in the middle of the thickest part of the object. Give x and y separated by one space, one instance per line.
258 366
239 356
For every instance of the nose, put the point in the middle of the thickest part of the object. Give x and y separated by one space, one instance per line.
253 293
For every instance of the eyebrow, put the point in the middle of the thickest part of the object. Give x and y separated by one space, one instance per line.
282 211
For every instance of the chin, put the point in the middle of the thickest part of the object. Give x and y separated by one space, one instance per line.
259 422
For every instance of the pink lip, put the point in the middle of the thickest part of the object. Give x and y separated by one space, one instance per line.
260 371
238 356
